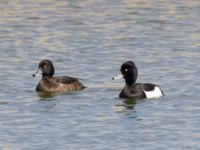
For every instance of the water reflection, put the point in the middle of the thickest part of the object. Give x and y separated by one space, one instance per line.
50 95
46 95
128 104
91 39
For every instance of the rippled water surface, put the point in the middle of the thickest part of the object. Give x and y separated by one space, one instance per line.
90 39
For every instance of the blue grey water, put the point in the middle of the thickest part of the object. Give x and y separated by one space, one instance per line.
90 39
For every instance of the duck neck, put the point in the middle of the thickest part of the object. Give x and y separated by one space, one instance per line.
130 79
129 82
46 76
49 73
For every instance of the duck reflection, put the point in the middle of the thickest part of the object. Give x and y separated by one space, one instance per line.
129 103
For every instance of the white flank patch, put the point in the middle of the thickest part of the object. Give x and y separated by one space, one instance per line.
153 94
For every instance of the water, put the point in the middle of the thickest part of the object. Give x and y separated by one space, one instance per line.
91 39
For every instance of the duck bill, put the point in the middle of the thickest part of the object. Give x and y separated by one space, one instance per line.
117 77
37 73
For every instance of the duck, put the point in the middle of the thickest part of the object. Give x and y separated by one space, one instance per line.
135 90
51 83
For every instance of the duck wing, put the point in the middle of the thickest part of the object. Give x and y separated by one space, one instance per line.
66 79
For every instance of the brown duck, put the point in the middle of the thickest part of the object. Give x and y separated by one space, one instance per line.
48 83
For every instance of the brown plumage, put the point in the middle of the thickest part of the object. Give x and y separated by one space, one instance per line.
48 83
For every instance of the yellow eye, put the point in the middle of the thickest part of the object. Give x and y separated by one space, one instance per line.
45 66
126 70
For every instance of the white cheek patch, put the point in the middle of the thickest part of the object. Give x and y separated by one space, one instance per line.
153 94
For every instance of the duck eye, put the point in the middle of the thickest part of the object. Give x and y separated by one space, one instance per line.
126 70
45 66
